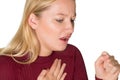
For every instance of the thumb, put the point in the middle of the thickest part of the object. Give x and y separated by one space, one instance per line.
102 58
99 64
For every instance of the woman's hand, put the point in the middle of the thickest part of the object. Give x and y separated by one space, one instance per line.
56 72
106 67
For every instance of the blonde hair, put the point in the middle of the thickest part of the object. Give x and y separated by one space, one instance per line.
25 41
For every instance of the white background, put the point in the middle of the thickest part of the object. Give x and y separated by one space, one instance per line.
96 29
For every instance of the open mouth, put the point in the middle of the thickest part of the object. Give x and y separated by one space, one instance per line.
64 39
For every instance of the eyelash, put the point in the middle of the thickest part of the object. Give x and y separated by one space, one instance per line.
59 20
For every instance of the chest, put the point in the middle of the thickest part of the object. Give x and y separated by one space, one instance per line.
32 71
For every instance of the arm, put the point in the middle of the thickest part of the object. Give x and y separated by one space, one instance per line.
80 70
107 68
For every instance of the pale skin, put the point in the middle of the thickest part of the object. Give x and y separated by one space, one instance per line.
54 28
53 31
106 67
56 72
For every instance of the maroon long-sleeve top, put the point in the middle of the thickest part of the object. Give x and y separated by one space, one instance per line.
75 67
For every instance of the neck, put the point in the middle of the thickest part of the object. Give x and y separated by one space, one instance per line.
45 52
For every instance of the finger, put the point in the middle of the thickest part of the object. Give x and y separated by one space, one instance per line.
112 61
100 61
42 75
118 71
63 76
57 70
61 71
115 69
116 63
111 58
111 66
107 66
53 67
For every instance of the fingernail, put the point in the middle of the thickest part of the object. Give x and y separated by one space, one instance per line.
105 53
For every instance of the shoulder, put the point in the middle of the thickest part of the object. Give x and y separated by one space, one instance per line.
5 59
6 62
6 66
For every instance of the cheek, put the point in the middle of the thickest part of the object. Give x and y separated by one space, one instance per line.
51 28
48 30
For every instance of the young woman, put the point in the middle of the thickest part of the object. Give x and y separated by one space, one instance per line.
40 49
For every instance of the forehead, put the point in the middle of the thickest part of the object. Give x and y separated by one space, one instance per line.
63 6
64 2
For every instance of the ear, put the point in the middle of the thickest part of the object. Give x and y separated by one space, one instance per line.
32 21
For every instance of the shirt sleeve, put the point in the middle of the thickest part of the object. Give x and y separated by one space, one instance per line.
80 70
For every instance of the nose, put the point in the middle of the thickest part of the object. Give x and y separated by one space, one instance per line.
70 27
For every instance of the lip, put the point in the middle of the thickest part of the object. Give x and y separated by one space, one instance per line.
65 39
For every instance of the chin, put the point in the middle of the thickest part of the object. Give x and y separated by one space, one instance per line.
61 48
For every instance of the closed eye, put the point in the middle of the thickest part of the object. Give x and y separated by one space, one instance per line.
59 20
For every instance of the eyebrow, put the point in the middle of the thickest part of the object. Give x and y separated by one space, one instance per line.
64 14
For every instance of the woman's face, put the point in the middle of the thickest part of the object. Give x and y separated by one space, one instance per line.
56 25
